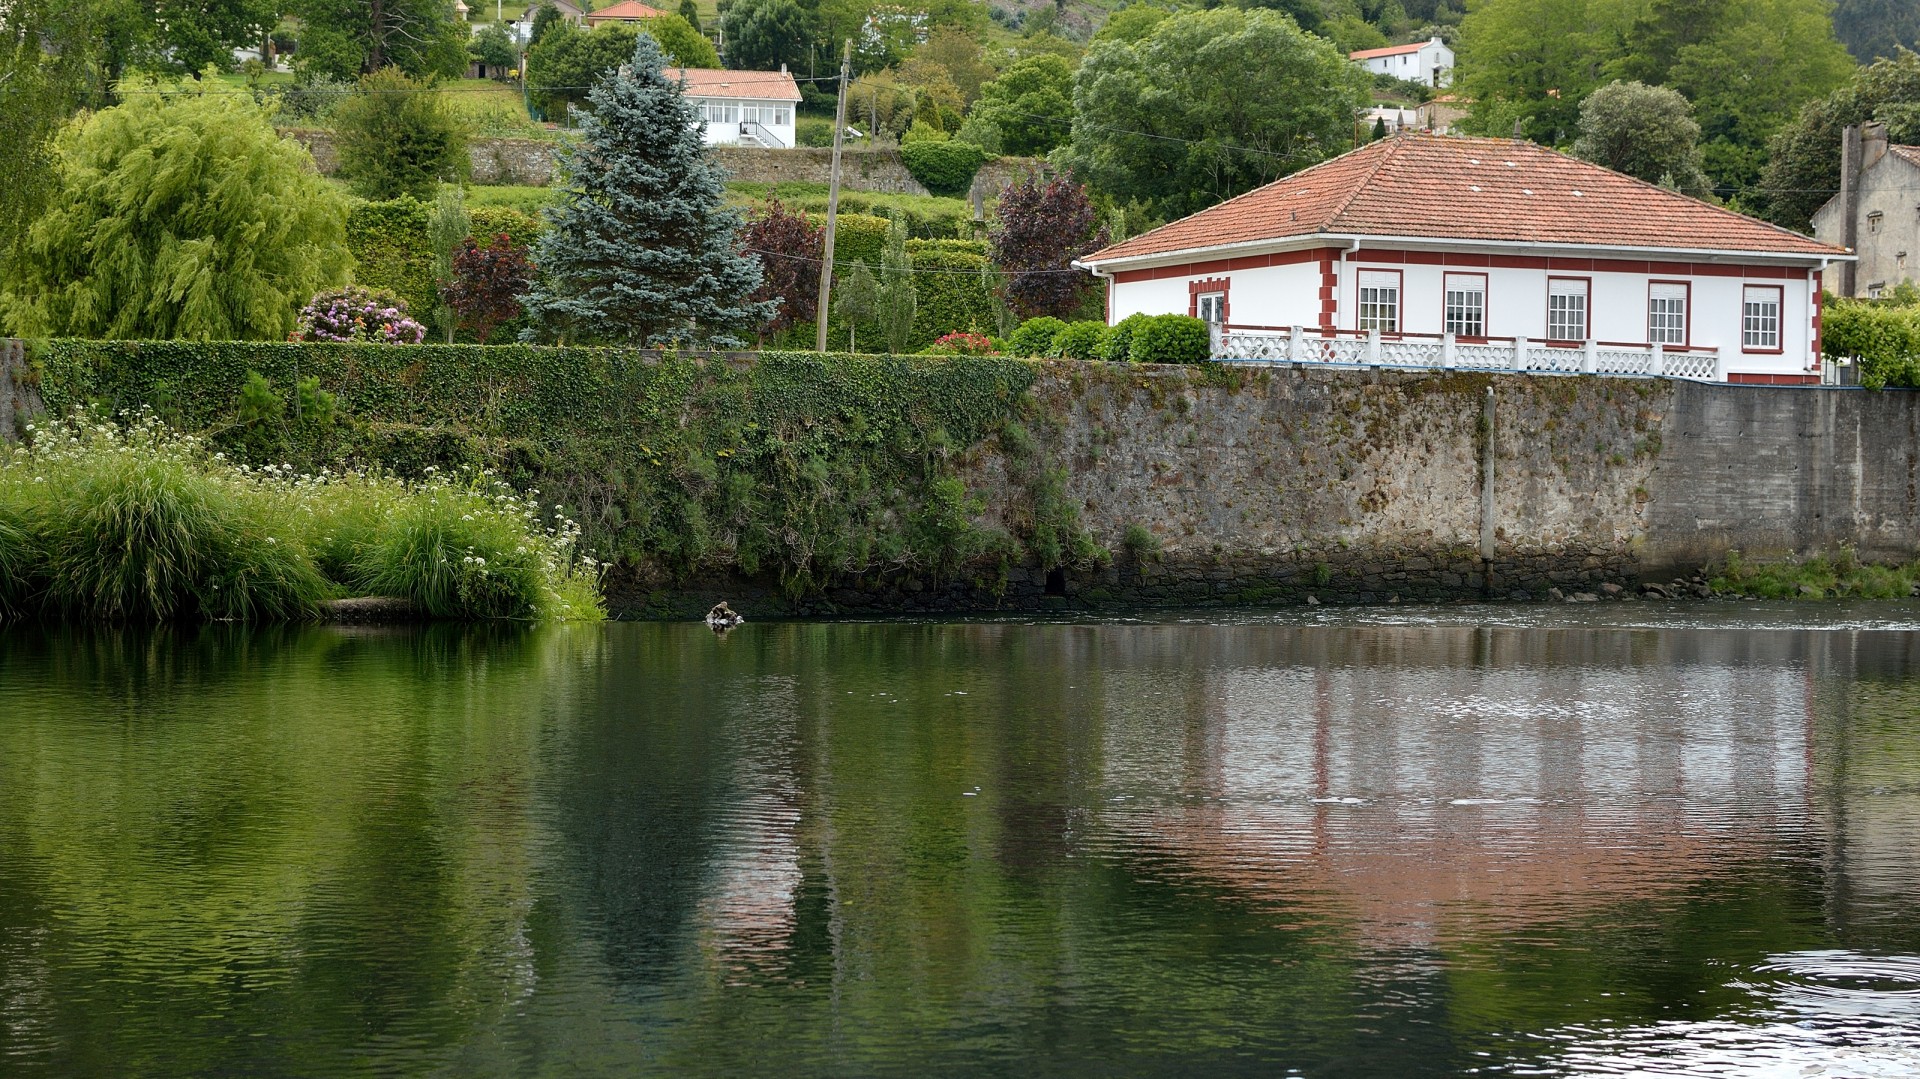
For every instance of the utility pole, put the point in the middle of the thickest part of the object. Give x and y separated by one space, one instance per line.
833 201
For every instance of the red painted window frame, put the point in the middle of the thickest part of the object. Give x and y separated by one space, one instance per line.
1686 330
1779 323
1486 302
1399 298
1547 310
1197 289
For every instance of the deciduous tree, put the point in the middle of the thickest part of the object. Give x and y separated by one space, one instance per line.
1209 104
345 39
396 137
488 284
789 249
1644 131
1803 160
763 34
1031 103
178 215
1042 228
642 247
569 59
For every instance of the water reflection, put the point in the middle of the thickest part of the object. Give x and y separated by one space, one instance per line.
1420 848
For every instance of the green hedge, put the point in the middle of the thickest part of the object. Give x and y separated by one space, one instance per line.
792 466
950 289
1170 339
946 167
856 237
388 241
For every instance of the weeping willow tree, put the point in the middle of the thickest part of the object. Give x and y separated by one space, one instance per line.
177 215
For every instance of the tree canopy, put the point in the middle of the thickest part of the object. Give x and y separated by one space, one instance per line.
1209 104
1803 160
569 59
763 34
395 137
1644 131
1031 104
179 215
344 39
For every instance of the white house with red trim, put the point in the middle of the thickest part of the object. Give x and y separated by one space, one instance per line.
1427 62
745 108
1435 251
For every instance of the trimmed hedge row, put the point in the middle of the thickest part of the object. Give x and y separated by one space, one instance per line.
388 241
795 466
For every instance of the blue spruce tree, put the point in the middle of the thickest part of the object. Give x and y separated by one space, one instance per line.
640 247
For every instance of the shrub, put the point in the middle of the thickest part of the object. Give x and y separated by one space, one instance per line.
396 138
944 167
1883 338
964 344
106 523
1079 340
487 284
358 313
1035 337
1116 344
856 237
1170 339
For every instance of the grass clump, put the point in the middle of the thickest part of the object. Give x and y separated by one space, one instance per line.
101 521
1841 576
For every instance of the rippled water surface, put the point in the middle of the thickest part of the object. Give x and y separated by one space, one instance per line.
1630 840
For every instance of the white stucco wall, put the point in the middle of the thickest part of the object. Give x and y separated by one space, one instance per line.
1516 305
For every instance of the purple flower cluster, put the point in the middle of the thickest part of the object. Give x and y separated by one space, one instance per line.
357 313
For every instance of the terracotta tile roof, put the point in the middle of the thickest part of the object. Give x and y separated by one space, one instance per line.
755 85
1391 50
1909 154
626 9
1436 187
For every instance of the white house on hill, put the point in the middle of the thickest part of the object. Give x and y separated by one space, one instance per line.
746 108
1434 251
1429 62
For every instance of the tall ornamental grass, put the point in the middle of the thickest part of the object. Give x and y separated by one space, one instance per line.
116 522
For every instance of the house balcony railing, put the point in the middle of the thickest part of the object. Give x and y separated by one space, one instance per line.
752 132
1274 345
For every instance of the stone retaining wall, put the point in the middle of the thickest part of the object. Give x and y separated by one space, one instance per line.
530 162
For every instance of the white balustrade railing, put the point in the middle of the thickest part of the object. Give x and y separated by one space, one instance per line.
1300 345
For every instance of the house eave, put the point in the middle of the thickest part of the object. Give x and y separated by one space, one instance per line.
1809 259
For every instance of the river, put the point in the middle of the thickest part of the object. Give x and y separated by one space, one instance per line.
1602 840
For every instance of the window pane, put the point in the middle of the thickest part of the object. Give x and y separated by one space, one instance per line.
1213 307
1466 314
1379 301
1667 315
1566 310
1760 319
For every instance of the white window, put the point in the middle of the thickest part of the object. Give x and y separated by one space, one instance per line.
1380 301
1760 318
1212 307
1566 309
1667 313
1466 305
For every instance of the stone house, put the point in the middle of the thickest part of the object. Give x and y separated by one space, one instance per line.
1876 213
1437 251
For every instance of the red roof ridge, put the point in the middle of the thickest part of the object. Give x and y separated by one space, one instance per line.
1422 186
1244 195
1392 144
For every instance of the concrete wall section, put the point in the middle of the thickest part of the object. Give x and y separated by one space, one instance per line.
1773 473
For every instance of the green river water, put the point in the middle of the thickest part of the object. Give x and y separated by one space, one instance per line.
1630 839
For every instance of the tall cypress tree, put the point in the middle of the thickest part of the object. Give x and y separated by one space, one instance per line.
642 247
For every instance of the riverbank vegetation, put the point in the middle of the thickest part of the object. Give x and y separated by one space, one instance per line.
132 522
1840 575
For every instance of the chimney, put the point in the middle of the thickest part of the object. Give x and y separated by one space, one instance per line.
1850 152
1873 143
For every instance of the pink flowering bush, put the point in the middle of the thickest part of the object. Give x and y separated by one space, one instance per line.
358 313
965 344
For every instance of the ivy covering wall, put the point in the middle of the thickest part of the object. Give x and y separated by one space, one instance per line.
795 468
